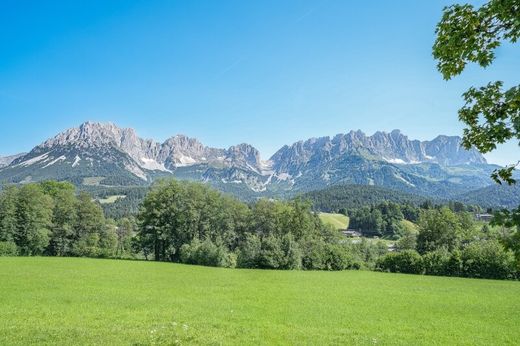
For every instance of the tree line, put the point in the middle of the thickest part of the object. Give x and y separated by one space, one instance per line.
448 243
50 218
192 223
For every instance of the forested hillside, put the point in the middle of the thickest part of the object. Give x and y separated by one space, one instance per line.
504 196
335 198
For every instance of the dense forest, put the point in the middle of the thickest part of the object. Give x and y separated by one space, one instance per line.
195 224
50 218
335 198
331 199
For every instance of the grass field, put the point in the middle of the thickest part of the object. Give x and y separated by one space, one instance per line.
338 221
111 199
74 301
92 181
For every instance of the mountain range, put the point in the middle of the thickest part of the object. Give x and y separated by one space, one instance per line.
104 154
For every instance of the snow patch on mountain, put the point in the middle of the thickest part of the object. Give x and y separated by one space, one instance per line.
77 159
136 171
152 165
61 158
397 161
33 160
183 161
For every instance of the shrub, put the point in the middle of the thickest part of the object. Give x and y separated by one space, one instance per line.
292 253
87 246
454 267
337 257
313 255
368 253
8 248
271 255
318 255
488 259
207 253
249 251
408 261
437 262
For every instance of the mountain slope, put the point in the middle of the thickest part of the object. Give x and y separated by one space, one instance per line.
6 160
108 155
493 196
334 198
104 154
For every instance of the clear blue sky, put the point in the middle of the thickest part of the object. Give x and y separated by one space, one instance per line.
266 72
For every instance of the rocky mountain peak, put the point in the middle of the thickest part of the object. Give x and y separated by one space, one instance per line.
244 155
393 147
93 134
103 149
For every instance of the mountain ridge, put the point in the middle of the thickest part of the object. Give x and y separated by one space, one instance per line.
106 154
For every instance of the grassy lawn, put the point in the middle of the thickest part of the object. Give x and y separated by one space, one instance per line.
338 221
92 181
111 199
73 301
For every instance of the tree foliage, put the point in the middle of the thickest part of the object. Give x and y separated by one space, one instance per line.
468 34
49 218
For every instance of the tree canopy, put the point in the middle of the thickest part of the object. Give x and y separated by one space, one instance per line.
465 35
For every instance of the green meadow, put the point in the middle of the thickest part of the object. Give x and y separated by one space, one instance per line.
338 221
48 301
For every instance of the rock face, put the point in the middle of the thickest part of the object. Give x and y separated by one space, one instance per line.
6 160
105 154
392 147
107 151
177 151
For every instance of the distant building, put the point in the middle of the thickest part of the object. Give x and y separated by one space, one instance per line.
483 217
350 233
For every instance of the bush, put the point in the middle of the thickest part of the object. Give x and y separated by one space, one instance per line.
408 261
367 252
87 246
337 257
292 253
271 255
437 262
8 248
488 259
312 258
207 253
318 255
249 251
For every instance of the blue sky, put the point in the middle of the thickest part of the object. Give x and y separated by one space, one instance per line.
264 72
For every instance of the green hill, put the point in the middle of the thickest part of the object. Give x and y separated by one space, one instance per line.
78 301
334 198
494 196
